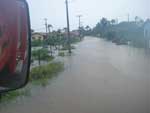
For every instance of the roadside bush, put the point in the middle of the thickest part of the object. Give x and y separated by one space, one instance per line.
61 54
45 72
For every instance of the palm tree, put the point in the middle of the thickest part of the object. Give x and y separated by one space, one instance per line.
113 21
104 23
40 55
49 27
87 28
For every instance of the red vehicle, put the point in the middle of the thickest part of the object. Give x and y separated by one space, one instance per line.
13 36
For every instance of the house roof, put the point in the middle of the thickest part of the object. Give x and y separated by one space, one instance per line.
39 33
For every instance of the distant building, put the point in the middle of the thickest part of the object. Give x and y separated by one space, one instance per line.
38 36
75 33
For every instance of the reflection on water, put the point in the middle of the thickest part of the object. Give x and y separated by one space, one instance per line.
100 77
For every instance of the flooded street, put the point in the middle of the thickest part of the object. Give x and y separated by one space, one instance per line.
100 77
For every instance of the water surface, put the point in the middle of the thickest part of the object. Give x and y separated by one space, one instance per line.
100 77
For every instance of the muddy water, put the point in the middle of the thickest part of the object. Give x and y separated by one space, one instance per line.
100 77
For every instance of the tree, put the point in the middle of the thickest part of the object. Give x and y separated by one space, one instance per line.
113 21
36 43
49 41
87 28
49 27
111 35
104 22
136 18
65 29
139 21
82 31
41 54
59 37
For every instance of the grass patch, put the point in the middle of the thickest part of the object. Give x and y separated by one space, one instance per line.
61 53
46 71
66 48
41 55
50 58
75 40
39 76
41 82
14 94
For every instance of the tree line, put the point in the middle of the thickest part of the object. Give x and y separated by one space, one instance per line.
125 32
54 41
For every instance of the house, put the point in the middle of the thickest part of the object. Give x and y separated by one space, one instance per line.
75 33
38 36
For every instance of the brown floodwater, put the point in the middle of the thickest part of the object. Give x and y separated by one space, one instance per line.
100 77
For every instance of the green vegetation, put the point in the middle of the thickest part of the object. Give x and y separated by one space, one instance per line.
38 76
46 71
66 47
37 43
58 41
41 55
14 94
61 53
121 33
75 40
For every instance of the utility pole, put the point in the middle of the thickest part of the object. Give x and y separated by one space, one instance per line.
68 27
79 16
49 30
46 26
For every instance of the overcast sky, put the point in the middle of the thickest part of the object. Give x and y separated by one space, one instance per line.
92 11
